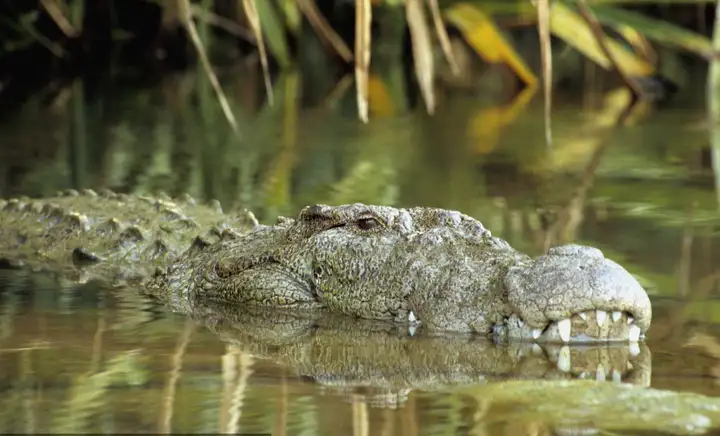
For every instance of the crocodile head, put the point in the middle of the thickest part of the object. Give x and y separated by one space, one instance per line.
434 269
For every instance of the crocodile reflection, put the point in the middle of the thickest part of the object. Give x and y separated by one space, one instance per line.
516 388
383 362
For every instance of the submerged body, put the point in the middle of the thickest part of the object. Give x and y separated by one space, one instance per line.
434 269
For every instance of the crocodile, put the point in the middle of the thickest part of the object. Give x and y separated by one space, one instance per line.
437 271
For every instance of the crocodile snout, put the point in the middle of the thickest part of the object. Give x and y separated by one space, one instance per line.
575 294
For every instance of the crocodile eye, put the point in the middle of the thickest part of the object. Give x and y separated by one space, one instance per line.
367 223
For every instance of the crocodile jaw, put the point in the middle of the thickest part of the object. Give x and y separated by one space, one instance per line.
574 294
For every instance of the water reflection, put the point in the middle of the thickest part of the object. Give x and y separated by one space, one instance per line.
348 353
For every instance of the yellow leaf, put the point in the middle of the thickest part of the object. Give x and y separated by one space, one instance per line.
485 126
664 32
639 43
379 100
571 151
485 38
572 28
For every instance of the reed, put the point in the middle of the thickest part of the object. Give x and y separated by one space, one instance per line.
618 38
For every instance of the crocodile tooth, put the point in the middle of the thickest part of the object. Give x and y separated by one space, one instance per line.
536 333
600 372
411 330
564 363
634 349
583 315
630 319
521 323
616 315
537 349
616 376
411 317
630 365
89 192
633 333
564 329
600 315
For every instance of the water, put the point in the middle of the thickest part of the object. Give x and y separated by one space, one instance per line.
90 359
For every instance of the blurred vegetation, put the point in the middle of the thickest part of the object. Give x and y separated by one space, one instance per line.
54 39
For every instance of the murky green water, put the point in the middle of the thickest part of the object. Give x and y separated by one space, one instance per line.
79 358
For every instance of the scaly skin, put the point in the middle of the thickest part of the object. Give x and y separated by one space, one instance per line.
438 270
434 269
108 236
